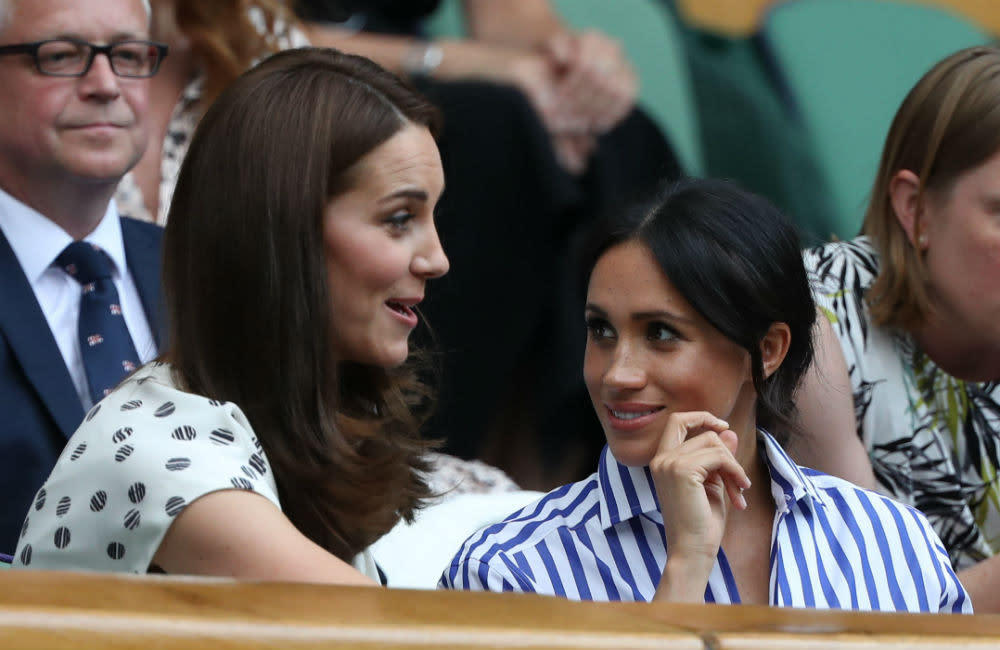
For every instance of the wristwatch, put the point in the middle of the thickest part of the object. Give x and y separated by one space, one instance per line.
422 59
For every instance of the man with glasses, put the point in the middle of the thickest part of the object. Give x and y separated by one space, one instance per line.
79 284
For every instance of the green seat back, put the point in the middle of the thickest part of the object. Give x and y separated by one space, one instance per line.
652 42
846 66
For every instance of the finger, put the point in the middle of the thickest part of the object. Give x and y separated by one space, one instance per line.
680 471
716 489
615 110
718 460
726 488
736 496
681 424
598 65
560 48
730 440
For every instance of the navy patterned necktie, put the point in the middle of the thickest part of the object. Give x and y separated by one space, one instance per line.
105 343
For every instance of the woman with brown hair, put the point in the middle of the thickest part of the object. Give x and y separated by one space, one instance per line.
905 396
277 437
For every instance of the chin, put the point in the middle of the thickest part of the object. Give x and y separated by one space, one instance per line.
391 358
632 453
103 168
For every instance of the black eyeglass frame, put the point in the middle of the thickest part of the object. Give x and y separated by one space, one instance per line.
93 49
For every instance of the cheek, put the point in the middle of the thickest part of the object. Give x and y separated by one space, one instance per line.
34 113
966 262
393 265
700 380
358 261
138 100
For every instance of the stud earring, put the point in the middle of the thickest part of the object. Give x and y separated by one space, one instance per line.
922 240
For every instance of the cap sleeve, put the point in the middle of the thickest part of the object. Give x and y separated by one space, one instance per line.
139 458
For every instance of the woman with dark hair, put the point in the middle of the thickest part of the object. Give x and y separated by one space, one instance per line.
700 328
277 437
906 397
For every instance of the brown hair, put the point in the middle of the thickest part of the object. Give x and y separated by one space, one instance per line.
224 38
248 299
948 124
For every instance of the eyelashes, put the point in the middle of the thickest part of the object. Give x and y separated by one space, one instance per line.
399 221
599 329
660 332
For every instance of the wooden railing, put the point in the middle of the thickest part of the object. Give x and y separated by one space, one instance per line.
57 611
741 17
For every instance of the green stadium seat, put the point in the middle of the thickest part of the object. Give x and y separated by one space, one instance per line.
844 67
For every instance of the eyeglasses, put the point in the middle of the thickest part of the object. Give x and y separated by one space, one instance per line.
67 57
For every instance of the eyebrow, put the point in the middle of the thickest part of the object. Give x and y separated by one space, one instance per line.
407 193
114 38
642 315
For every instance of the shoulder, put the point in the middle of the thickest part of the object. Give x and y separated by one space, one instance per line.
890 518
138 226
504 552
148 412
891 546
142 233
139 458
838 261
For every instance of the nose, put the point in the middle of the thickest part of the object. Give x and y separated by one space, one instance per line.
625 370
100 80
430 261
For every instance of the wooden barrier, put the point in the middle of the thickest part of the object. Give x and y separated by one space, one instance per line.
57 611
742 17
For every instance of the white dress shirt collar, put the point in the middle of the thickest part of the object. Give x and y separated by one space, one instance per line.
37 241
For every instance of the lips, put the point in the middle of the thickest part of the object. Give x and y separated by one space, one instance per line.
402 308
631 416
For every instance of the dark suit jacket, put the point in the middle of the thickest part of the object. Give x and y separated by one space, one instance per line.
39 406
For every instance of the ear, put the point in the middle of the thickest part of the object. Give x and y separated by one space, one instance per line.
904 193
774 347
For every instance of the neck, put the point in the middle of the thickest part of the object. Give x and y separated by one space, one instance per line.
957 351
743 421
760 502
76 208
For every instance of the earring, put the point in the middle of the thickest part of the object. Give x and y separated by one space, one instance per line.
922 240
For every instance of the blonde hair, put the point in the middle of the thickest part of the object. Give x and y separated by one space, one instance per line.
948 124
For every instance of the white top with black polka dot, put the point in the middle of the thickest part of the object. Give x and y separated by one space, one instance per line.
141 455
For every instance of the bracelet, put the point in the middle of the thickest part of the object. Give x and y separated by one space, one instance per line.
422 59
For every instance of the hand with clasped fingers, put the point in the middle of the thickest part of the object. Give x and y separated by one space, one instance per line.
697 478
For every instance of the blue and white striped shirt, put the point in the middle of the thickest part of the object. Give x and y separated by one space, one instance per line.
833 545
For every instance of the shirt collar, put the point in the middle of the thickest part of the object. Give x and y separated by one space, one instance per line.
37 241
627 492
789 484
